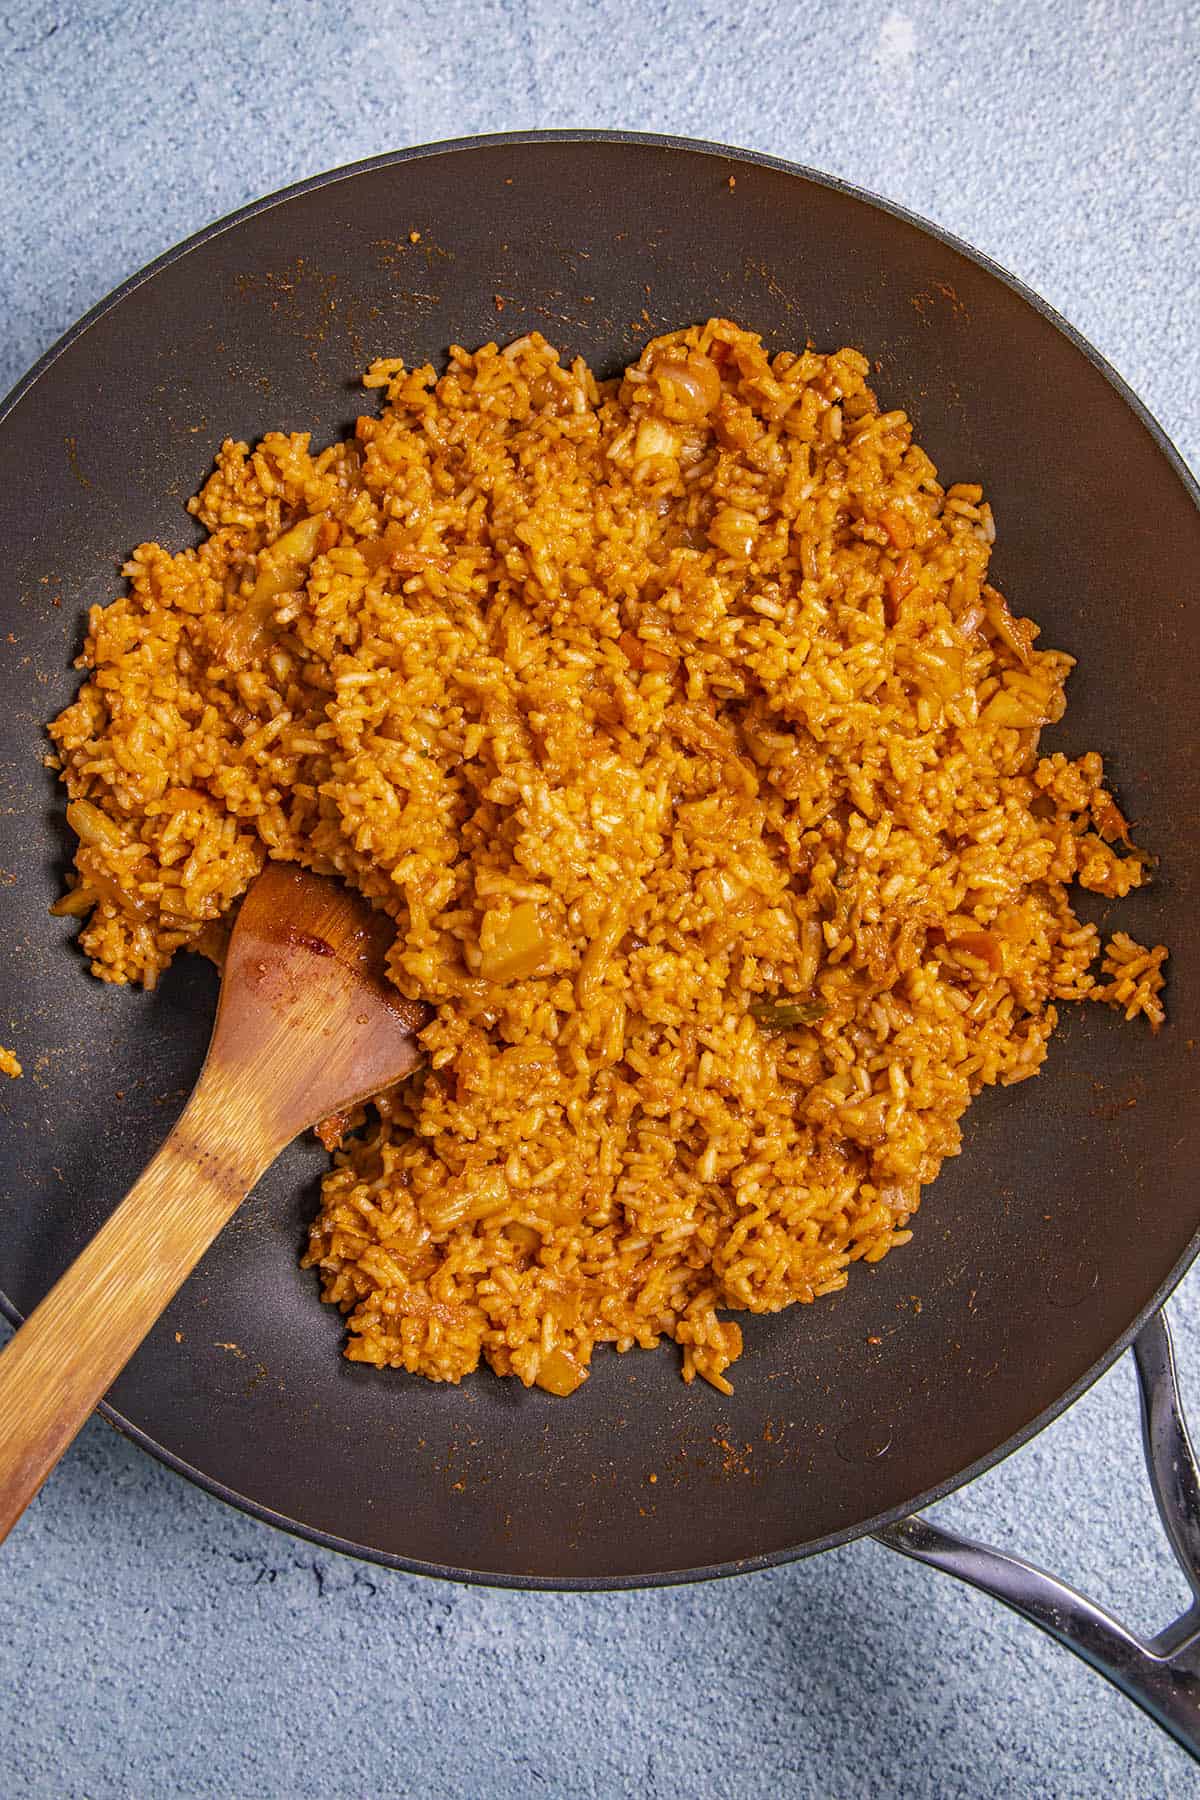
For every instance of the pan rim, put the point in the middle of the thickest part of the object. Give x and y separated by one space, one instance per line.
512 139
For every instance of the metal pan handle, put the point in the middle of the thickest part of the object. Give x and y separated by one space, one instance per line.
1161 1674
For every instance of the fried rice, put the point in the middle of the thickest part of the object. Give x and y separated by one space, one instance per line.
676 724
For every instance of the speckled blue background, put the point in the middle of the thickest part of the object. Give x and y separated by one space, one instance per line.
151 1641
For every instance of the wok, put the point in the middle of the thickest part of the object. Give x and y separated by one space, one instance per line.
1039 1254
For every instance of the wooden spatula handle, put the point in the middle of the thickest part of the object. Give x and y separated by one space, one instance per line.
72 1347
308 1024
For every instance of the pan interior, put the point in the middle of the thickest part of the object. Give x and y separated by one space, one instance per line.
1073 1203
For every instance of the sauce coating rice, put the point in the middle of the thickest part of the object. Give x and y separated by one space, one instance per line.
676 724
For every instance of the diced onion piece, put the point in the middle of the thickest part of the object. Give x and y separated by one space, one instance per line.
734 531
983 944
95 828
943 670
560 1373
1013 710
655 438
693 382
105 887
466 1199
1017 634
282 567
76 904
242 637
512 947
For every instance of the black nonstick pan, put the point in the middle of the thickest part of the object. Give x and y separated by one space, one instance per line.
1039 1254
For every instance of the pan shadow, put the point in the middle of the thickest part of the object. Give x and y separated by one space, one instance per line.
850 1672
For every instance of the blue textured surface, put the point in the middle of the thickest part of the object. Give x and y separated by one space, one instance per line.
154 1643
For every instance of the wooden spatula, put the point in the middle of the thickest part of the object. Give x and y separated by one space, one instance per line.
307 1025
